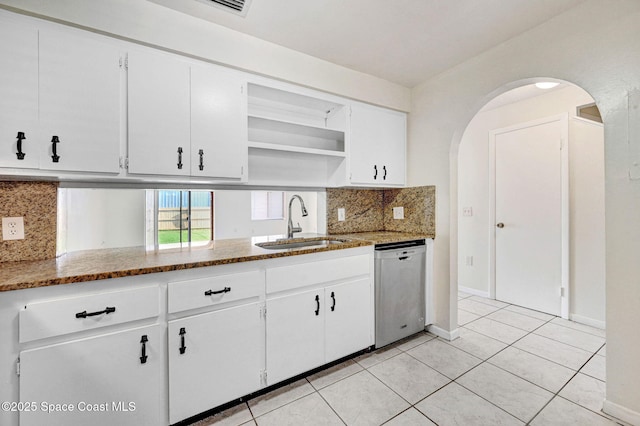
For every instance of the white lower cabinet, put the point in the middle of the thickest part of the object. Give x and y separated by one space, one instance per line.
114 378
214 358
295 334
136 351
315 317
348 318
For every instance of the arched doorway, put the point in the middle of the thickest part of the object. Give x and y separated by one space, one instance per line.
584 286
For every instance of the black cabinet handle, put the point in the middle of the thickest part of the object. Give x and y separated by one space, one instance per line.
143 341
317 305
375 174
201 154
179 157
333 297
384 168
106 310
211 292
183 348
20 154
54 142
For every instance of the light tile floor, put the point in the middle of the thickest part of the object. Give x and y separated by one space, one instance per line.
510 366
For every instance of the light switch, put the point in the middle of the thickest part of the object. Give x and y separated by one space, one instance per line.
398 212
341 215
13 228
467 211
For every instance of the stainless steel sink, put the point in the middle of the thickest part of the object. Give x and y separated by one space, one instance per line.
297 243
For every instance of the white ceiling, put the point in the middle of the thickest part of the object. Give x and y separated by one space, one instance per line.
404 41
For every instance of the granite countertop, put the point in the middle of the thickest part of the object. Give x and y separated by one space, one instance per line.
381 237
103 264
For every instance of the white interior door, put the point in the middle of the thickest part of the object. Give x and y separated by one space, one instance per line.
530 209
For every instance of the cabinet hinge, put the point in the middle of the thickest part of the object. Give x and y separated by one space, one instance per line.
18 367
241 170
126 62
242 89
124 163
263 311
120 61
263 377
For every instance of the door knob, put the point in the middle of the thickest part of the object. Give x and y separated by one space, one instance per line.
500 225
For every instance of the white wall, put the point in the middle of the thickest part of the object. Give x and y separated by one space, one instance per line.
104 218
596 47
586 185
156 25
232 215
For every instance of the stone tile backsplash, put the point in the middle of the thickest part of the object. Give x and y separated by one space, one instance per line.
37 203
368 210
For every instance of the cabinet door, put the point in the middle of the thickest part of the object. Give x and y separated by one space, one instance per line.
218 123
18 94
158 102
221 361
295 334
102 379
378 139
79 102
348 318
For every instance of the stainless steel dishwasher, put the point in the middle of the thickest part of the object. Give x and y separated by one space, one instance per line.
400 288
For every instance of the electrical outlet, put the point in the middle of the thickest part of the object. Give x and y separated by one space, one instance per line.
341 215
398 212
467 211
13 228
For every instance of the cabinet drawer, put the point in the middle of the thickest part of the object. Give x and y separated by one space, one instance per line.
323 271
210 291
63 316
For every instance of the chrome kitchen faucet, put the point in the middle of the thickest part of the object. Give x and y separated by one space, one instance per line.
290 228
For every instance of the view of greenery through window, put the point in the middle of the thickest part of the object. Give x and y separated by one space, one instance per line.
174 222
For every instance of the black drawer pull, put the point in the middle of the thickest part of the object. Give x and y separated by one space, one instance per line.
211 292
20 154
179 157
333 297
317 305
54 142
144 340
201 154
106 310
183 348
375 169
384 177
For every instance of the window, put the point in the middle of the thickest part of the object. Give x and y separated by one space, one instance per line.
267 205
182 218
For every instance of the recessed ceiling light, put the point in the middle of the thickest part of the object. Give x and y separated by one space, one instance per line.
546 85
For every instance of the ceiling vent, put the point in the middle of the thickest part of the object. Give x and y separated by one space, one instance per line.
238 7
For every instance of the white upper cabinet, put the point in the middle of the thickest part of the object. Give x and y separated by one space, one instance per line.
378 146
159 118
80 102
185 119
18 94
218 123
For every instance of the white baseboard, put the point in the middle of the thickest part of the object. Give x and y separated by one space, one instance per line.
587 321
620 412
473 291
441 332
